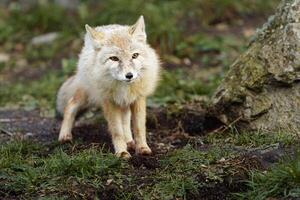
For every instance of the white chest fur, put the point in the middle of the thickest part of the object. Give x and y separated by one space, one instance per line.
123 95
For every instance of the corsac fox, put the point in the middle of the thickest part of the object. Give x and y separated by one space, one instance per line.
117 70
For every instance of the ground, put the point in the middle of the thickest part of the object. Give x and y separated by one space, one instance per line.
194 155
183 166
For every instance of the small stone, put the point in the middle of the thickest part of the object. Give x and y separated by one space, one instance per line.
222 27
172 59
109 181
203 166
150 133
21 63
4 57
248 32
161 144
44 39
187 61
28 135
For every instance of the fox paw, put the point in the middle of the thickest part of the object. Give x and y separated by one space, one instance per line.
131 145
143 151
65 138
123 154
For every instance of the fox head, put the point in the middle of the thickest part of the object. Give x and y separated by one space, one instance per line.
119 51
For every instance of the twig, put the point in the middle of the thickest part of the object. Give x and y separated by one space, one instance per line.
226 127
6 120
6 132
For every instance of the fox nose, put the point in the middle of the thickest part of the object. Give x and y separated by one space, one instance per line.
129 75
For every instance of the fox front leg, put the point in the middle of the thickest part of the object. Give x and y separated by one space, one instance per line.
70 111
113 115
126 123
138 109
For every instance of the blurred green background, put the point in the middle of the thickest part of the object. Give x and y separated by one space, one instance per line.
196 39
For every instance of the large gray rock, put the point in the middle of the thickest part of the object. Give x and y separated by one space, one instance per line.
262 88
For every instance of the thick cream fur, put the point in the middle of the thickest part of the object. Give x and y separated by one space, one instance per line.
101 81
94 73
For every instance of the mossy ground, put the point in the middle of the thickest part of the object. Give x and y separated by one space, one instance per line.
217 165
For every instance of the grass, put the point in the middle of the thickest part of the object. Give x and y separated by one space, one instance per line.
35 94
282 181
29 169
258 139
182 86
32 170
39 93
180 173
165 33
58 59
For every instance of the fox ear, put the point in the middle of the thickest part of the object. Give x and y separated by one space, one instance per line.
138 30
95 36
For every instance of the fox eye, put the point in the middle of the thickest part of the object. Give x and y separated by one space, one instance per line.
114 58
135 55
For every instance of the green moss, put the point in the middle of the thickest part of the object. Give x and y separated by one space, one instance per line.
260 105
253 74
